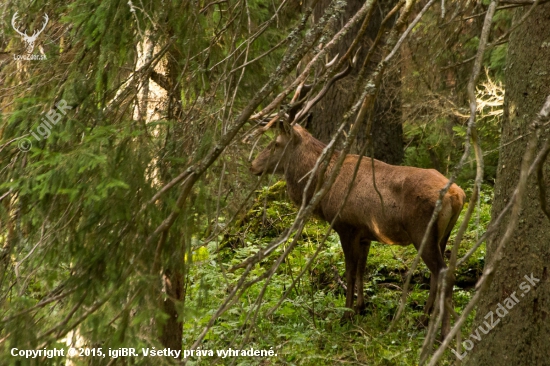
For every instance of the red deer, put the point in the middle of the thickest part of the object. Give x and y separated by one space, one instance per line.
409 198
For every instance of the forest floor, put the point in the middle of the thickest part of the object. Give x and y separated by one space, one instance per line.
306 329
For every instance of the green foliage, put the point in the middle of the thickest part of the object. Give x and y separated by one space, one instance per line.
78 212
497 61
306 328
435 99
75 214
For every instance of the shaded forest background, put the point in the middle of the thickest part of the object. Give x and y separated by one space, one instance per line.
133 220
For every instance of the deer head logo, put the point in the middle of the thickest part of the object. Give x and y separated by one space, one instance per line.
29 39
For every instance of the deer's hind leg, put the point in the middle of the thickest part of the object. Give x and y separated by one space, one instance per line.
450 278
446 221
433 258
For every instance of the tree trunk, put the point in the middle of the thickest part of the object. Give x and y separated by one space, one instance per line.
387 130
519 296
172 331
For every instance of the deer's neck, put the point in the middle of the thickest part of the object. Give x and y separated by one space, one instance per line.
299 170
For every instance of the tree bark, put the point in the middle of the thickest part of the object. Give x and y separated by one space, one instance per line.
522 335
172 331
173 249
387 129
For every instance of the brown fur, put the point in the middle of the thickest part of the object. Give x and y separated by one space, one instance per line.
409 197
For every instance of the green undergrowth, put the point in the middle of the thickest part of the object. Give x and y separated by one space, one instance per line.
306 329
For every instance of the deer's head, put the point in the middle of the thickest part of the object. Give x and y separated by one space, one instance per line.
275 157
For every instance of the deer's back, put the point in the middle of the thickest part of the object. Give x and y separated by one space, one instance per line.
404 202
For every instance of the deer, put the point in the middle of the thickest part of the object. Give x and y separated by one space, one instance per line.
401 217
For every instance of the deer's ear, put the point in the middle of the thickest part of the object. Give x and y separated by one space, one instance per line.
295 135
